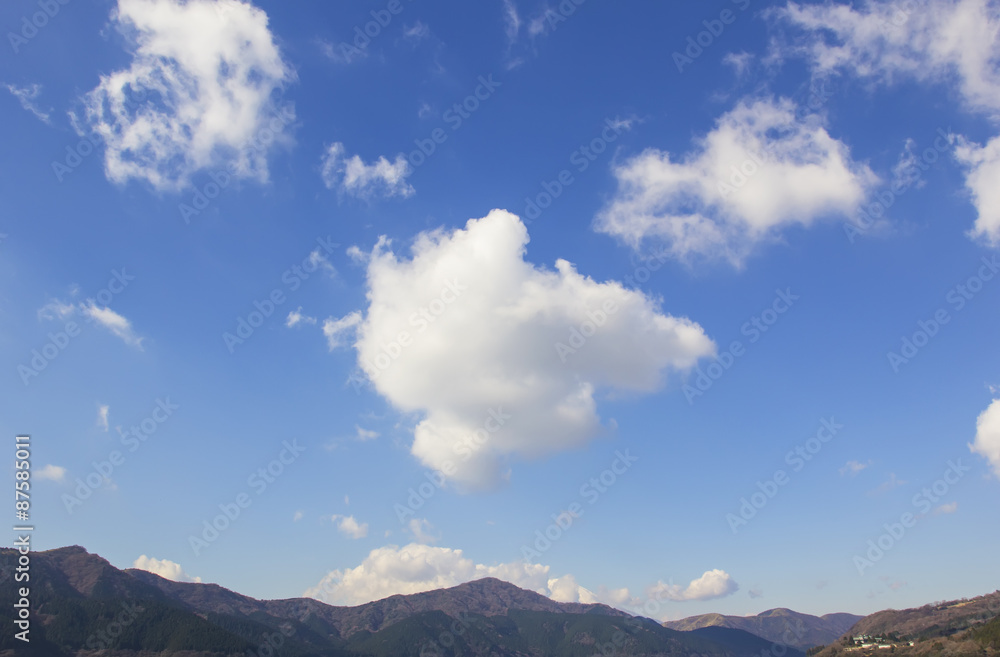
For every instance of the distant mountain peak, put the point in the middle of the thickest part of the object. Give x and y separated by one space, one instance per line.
774 625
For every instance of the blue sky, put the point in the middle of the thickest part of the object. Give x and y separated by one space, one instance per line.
265 242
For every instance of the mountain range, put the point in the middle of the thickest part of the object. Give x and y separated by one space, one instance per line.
82 606
81 603
778 625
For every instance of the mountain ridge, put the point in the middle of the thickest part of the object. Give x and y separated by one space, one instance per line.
780 625
76 597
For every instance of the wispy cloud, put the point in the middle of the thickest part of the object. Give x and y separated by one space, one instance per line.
889 484
421 530
852 468
337 330
102 416
295 318
416 32
101 315
351 175
27 96
366 434
945 509
349 526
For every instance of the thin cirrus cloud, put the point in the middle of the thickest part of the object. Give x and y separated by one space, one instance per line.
101 315
762 169
947 42
488 347
351 175
200 93
27 96
417 567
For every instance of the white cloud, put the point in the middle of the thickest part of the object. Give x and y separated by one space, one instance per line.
489 334
951 507
100 315
338 330
740 62
854 467
982 173
50 473
102 416
318 260
421 530
200 93
941 41
348 526
415 568
112 321
759 171
566 589
164 568
987 442
352 176
27 96
296 317
365 434
711 585
297 516
952 42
